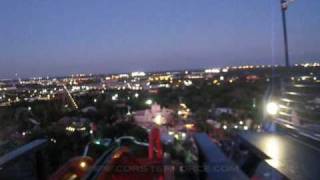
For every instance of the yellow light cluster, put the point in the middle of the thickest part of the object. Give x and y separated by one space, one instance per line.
161 78
213 70
71 129
311 65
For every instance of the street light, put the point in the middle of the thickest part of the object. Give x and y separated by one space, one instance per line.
284 7
115 97
149 102
272 108
83 164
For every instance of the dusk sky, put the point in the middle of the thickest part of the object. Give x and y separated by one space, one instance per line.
59 37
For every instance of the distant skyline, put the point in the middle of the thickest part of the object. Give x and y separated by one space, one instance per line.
59 37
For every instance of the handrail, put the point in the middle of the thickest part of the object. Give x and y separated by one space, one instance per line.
215 164
19 152
100 163
8 162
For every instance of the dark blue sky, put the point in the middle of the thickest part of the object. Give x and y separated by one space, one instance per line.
57 37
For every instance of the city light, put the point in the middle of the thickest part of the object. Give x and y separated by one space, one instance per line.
189 126
71 129
82 129
272 108
83 164
215 81
53 140
136 95
183 105
225 127
148 102
123 75
213 70
114 97
225 69
138 74
187 83
159 119
184 135
176 136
